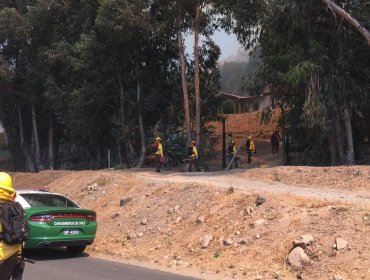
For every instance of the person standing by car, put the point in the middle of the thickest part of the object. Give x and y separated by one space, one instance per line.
250 147
159 153
9 254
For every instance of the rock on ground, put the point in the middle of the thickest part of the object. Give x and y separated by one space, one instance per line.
298 258
204 243
340 243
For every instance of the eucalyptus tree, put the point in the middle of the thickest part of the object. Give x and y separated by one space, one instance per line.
317 66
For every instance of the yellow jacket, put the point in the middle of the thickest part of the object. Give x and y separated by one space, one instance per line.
159 151
7 250
251 146
195 152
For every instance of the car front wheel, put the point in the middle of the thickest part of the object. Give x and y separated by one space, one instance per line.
76 249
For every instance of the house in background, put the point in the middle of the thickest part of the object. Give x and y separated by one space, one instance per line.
229 103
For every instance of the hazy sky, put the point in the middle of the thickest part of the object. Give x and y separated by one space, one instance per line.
228 43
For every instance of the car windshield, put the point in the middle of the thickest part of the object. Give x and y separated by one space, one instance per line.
47 200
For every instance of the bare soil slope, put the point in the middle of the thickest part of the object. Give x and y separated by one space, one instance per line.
143 217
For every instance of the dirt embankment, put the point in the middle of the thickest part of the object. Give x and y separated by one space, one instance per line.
248 124
344 177
163 223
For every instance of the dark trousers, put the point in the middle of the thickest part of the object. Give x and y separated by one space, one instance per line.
193 162
275 148
230 157
159 163
7 267
249 154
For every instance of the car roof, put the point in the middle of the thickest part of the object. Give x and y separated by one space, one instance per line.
25 204
36 191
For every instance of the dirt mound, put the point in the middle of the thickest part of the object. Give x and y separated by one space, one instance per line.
243 125
345 177
163 223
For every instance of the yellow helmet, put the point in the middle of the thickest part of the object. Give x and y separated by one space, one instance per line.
6 182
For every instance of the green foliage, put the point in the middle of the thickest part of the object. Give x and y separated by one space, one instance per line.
175 145
78 64
317 66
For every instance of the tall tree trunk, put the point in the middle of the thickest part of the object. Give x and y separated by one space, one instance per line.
2 116
196 71
29 162
119 153
141 125
51 141
332 149
128 145
185 93
36 135
349 136
131 155
283 134
338 135
122 111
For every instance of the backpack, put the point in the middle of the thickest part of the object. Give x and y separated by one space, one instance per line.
14 223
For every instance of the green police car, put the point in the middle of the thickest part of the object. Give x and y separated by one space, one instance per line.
56 221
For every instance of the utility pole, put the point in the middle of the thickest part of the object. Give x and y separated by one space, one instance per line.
223 120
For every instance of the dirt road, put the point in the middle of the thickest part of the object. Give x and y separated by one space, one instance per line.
58 265
161 219
233 179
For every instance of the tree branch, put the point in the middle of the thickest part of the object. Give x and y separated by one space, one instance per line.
346 16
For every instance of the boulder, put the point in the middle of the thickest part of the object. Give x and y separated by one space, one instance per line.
298 258
243 241
178 220
307 239
299 243
124 201
204 242
200 220
248 211
115 215
340 243
131 235
260 200
228 242
257 223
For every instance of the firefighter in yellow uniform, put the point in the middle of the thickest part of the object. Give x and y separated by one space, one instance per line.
250 147
193 155
159 155
8 253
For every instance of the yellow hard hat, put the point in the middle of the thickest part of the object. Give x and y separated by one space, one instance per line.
6 182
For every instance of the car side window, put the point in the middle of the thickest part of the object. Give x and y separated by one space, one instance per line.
48 200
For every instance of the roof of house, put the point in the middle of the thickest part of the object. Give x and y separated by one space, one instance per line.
232 96
226 95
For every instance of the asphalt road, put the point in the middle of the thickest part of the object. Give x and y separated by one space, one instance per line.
58 265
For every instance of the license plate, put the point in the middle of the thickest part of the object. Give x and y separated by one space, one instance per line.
71 232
